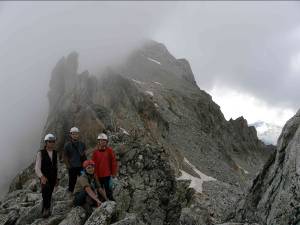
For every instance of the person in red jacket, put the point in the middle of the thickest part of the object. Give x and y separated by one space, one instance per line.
106 164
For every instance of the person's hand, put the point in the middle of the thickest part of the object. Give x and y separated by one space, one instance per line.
44 180
98 202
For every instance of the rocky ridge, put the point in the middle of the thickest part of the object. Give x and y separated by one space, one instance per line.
168 135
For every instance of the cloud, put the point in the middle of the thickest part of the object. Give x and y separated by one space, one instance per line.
235 104
247 46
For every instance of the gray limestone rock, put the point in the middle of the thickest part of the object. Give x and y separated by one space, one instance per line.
9 218
76 216
54 220
274 195
32 214
130 219
102 215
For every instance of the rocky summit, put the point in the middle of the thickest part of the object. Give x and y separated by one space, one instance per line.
181 161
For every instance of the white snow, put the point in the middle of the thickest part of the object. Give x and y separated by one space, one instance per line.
241 168
153 60
149 93
202 175
124 131
137 81
156 105
196 182
155 82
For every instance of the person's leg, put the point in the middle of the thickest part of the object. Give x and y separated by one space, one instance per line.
88 205
46 194
52 185
85 201
72 178
79 198
105 184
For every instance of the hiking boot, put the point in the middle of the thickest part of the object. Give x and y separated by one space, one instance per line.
88 208
46 213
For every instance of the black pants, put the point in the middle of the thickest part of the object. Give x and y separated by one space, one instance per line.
47 190
82 197
73 173
105 181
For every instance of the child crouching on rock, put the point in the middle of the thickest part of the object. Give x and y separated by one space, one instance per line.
88 192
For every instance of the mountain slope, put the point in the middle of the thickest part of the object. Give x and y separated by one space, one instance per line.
163 127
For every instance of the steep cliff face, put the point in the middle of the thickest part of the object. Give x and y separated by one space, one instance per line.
274 195
196 126
165 130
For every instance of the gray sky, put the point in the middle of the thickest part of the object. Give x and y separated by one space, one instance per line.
245 54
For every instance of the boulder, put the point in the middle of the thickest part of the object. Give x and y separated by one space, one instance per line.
103 214
76 216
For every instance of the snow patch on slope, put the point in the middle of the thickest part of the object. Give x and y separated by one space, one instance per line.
155 82
149 93
241 168
137 81
124 131
153 60
196 182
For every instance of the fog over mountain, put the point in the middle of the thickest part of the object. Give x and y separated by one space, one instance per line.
251 48
268 133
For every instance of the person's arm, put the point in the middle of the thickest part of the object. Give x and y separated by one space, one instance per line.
84 149
102 193
92 194
94 157
57 174
66 155
37 168
114 163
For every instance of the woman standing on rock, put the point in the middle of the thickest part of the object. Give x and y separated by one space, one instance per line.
106 164
46 170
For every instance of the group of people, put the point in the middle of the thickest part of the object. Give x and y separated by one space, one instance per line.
90 180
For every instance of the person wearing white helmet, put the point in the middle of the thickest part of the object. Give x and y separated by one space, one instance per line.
74 156
46 170
106 165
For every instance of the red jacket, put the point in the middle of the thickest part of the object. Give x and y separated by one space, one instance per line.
106 163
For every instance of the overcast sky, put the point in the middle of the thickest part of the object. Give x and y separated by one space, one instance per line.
245 54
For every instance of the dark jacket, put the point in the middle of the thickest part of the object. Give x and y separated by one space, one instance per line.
75 153
48 167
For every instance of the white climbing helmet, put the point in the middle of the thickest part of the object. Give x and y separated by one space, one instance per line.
102 136
49 137
74 130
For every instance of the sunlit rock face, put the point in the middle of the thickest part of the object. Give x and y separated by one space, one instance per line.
274 195
180 161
